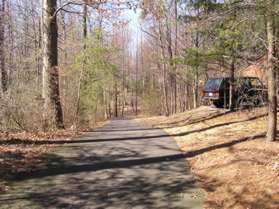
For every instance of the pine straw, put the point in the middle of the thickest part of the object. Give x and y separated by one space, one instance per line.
231 159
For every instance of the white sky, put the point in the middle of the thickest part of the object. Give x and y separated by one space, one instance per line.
134 18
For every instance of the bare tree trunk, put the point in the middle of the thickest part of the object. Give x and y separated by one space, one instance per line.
232 85
196 88
196 76
64 29
4 75
166 103
53 115
110 99
142 67
11 41
123 67
38 57
188 97
175 53
116 100
83 65
272 100
172 74
137 72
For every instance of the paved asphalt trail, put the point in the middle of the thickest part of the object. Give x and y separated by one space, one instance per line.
120 166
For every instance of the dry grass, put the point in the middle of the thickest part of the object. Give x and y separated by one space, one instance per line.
229 156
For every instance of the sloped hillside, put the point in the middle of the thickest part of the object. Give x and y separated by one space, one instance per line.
229 155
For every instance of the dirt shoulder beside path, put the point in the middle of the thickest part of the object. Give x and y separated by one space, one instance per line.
229 155
19 152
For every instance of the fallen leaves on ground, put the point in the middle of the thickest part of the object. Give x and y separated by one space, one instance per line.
20 153
231 159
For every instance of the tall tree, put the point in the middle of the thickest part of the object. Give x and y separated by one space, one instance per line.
272 100
53 115
4 75
175 53
85 31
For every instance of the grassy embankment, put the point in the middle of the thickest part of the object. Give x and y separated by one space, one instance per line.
228 155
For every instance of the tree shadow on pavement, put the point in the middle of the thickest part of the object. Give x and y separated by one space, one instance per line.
115 175
150 136
62 167
156 182
143 181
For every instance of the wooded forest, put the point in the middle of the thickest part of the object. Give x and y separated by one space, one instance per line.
126 104
69 64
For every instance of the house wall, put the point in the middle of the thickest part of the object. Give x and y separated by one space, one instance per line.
255 71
